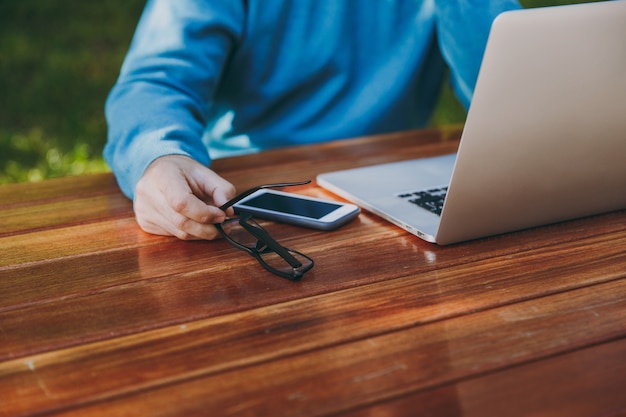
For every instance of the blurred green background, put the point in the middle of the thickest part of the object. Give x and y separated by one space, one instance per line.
58 60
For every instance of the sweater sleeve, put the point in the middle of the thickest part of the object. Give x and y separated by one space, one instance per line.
160 103
463 28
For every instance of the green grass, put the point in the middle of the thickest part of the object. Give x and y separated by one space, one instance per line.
58 61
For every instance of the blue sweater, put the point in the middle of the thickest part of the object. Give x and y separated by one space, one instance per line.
207 78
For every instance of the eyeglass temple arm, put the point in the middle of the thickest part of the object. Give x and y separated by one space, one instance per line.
262 235
246 193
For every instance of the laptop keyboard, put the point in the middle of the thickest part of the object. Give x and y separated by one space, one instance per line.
431 199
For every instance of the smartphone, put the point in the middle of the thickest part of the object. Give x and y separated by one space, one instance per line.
298 209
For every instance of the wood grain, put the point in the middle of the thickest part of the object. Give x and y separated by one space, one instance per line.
100 318
207 290
57 189
595 377
77 211
375 368
423 298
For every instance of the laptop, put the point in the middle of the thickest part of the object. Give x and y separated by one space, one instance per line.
544 140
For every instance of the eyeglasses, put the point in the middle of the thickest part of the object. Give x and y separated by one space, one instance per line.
245 233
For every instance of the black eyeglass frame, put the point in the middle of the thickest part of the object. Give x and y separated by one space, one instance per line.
265 243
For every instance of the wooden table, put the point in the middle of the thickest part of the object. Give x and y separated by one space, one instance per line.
99 318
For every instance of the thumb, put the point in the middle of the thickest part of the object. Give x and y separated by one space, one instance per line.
221 195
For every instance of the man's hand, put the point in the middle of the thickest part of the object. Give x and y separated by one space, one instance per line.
178 196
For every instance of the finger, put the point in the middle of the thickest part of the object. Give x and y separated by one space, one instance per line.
192 218
221 195
215 189
170 223
187 229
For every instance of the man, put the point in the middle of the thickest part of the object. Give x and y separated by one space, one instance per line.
205 78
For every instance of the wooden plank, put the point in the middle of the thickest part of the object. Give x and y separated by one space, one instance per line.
390 305
583 383
47 245
316 380
63 213
222 286
56 189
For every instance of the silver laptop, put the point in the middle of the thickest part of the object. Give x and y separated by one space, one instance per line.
544 140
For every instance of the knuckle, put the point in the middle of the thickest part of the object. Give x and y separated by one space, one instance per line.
180 222
179 204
